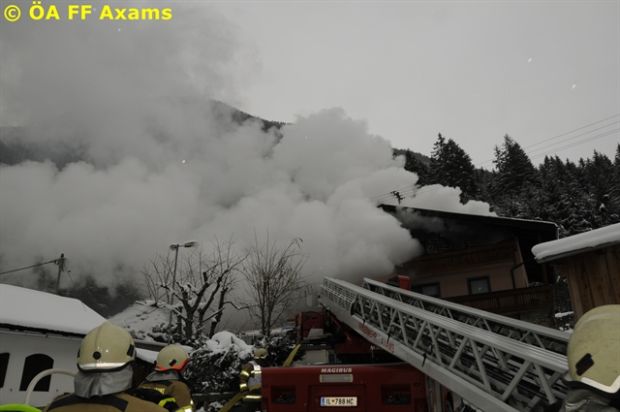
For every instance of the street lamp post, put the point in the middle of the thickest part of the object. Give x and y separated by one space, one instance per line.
175 247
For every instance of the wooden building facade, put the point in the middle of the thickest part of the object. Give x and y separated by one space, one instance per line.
590 262
480 261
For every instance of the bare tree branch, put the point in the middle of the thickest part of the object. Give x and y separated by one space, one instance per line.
274 278
202 282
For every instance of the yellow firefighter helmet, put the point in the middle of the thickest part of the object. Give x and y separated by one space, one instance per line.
107 347
593 349
172 357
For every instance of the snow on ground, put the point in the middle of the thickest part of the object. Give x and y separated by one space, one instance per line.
226 341
560 315
216 364
29 308
213 406
567 319
594 239
140 319
255 335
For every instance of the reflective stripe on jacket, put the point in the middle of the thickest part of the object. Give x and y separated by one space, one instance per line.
174 388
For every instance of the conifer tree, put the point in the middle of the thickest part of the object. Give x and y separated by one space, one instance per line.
615 184
413 164
599 175
562 200
515 181
452 166
514 168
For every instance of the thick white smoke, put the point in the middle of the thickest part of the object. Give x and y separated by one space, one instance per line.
314 185
162 166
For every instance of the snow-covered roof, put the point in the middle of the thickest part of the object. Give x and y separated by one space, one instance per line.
572 245
539 226
29 309
149 356
140 319
32 309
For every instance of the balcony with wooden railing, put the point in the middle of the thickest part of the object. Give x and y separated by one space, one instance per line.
511 302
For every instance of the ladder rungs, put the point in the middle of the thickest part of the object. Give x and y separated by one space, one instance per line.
499 319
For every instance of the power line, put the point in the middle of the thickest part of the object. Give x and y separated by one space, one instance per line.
56 261
565 134
412 189
599 136
571 138
407 186
577 129
401 194
403 189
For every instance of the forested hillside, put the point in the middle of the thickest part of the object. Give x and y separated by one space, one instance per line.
578 196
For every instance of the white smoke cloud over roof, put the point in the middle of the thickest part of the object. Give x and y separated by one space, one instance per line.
447 199
161 167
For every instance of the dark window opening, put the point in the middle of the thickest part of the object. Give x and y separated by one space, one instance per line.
479 285
33 365
429 289
393 281
283 395
396 394
4 367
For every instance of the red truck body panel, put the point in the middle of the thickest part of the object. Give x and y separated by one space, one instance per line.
350 388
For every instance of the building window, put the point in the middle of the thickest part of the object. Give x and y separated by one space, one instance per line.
393 281
428 289
4 367
479 285
33 365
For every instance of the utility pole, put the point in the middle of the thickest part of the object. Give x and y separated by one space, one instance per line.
174 270
397 195
60 262
61 266
175 247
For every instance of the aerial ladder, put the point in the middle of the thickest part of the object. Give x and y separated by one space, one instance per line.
493 362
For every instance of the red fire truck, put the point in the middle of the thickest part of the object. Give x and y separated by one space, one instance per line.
357 388
468 357
353 374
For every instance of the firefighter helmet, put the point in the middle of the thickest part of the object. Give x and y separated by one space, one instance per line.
593 355
260 353
172 357
107 347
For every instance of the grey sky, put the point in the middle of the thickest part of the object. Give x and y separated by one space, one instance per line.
131 98
473 70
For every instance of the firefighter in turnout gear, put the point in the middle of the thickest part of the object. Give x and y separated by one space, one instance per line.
168 376
250 377
594 362
104 376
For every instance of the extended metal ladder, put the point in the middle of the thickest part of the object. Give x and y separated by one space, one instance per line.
493 362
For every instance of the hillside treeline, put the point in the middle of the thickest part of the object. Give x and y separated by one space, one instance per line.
578 196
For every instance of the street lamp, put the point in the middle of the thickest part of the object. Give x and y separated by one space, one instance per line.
175 247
